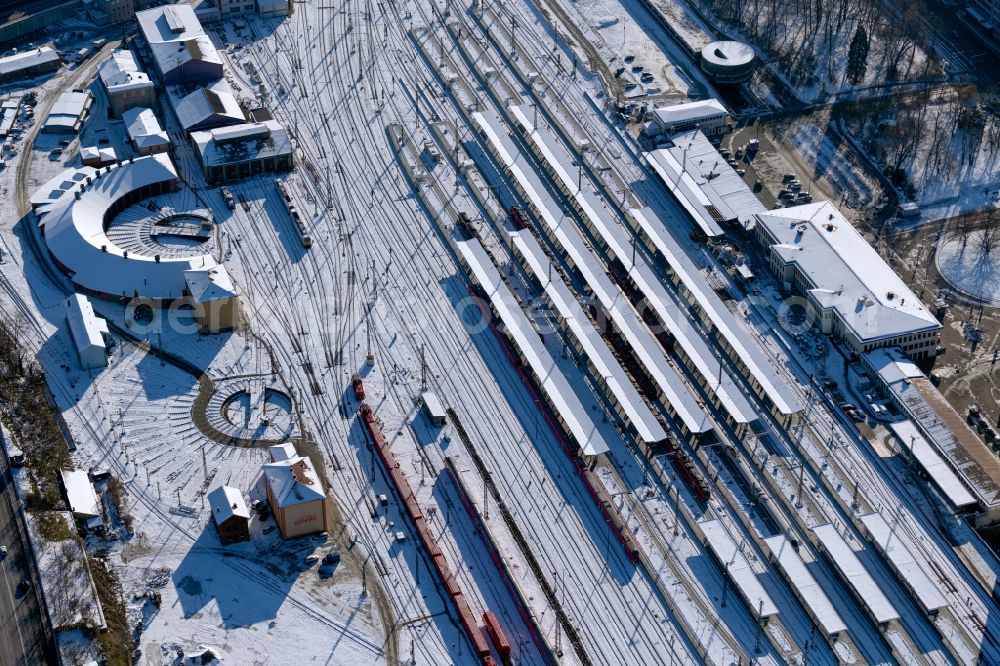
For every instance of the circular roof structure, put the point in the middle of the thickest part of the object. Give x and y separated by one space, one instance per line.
728 54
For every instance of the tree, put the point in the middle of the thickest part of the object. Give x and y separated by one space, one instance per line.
857 56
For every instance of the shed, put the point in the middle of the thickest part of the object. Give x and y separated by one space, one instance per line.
88 331
230 514
81 498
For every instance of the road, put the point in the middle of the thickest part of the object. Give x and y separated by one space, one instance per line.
22 639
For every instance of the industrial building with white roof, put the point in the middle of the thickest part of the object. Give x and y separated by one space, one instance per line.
295 493
708 115
87 331
29 63
851 291
240 151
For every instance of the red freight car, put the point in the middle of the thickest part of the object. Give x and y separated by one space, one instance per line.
496 634
358 386
518 217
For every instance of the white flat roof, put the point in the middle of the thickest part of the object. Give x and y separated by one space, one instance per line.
846 561
553 382
664 304
738 567
25 59
933 464
847 274
810 592
293 481
635 331
597 351
80 494
169 23
281 452
680 183
892 365
728 53
226 502
433 404
85 327
688 112
75 231
887 540
722 318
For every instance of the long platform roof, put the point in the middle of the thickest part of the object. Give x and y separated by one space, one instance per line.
887 539
810 592
846 561
600 355
738 568
553 382
611 298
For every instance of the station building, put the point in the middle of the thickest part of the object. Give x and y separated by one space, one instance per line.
240 151
127 85
74 210
29 63
851 292
294 492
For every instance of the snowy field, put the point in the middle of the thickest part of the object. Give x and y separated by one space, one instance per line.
967 268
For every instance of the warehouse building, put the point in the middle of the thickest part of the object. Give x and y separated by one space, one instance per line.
144 132
240 151
88 332
230 515
708 115
294 493
29 63
74 210
180 49
851 292
205 108
127 85
68 113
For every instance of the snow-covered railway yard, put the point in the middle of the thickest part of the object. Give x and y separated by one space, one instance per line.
632 447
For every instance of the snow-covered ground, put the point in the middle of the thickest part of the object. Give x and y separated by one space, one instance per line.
969 268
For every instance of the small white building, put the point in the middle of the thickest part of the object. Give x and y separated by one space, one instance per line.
88 331
708 115
294 492
144 131
80 496
230 514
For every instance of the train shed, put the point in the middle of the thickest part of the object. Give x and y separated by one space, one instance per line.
736 566
900 558
809 593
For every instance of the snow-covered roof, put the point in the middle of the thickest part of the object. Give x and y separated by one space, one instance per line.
85 327
227 502
810 592
565 401
736 565
213 104
75 230
27 59
853 572
143 128
703 182
209 283
68 109
728 53
171 55
597 351
169 23
892 365
648 350
846 273
88 153
120 72
80 494
688 112
281 452
933 464
293 481
887 540
241 143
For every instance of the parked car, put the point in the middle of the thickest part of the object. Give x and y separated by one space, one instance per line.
333 557
23 587
3 552
312 559
741 172
787 177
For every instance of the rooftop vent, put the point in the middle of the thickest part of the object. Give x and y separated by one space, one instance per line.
156 258
829 227
104 248
125 253
891 295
